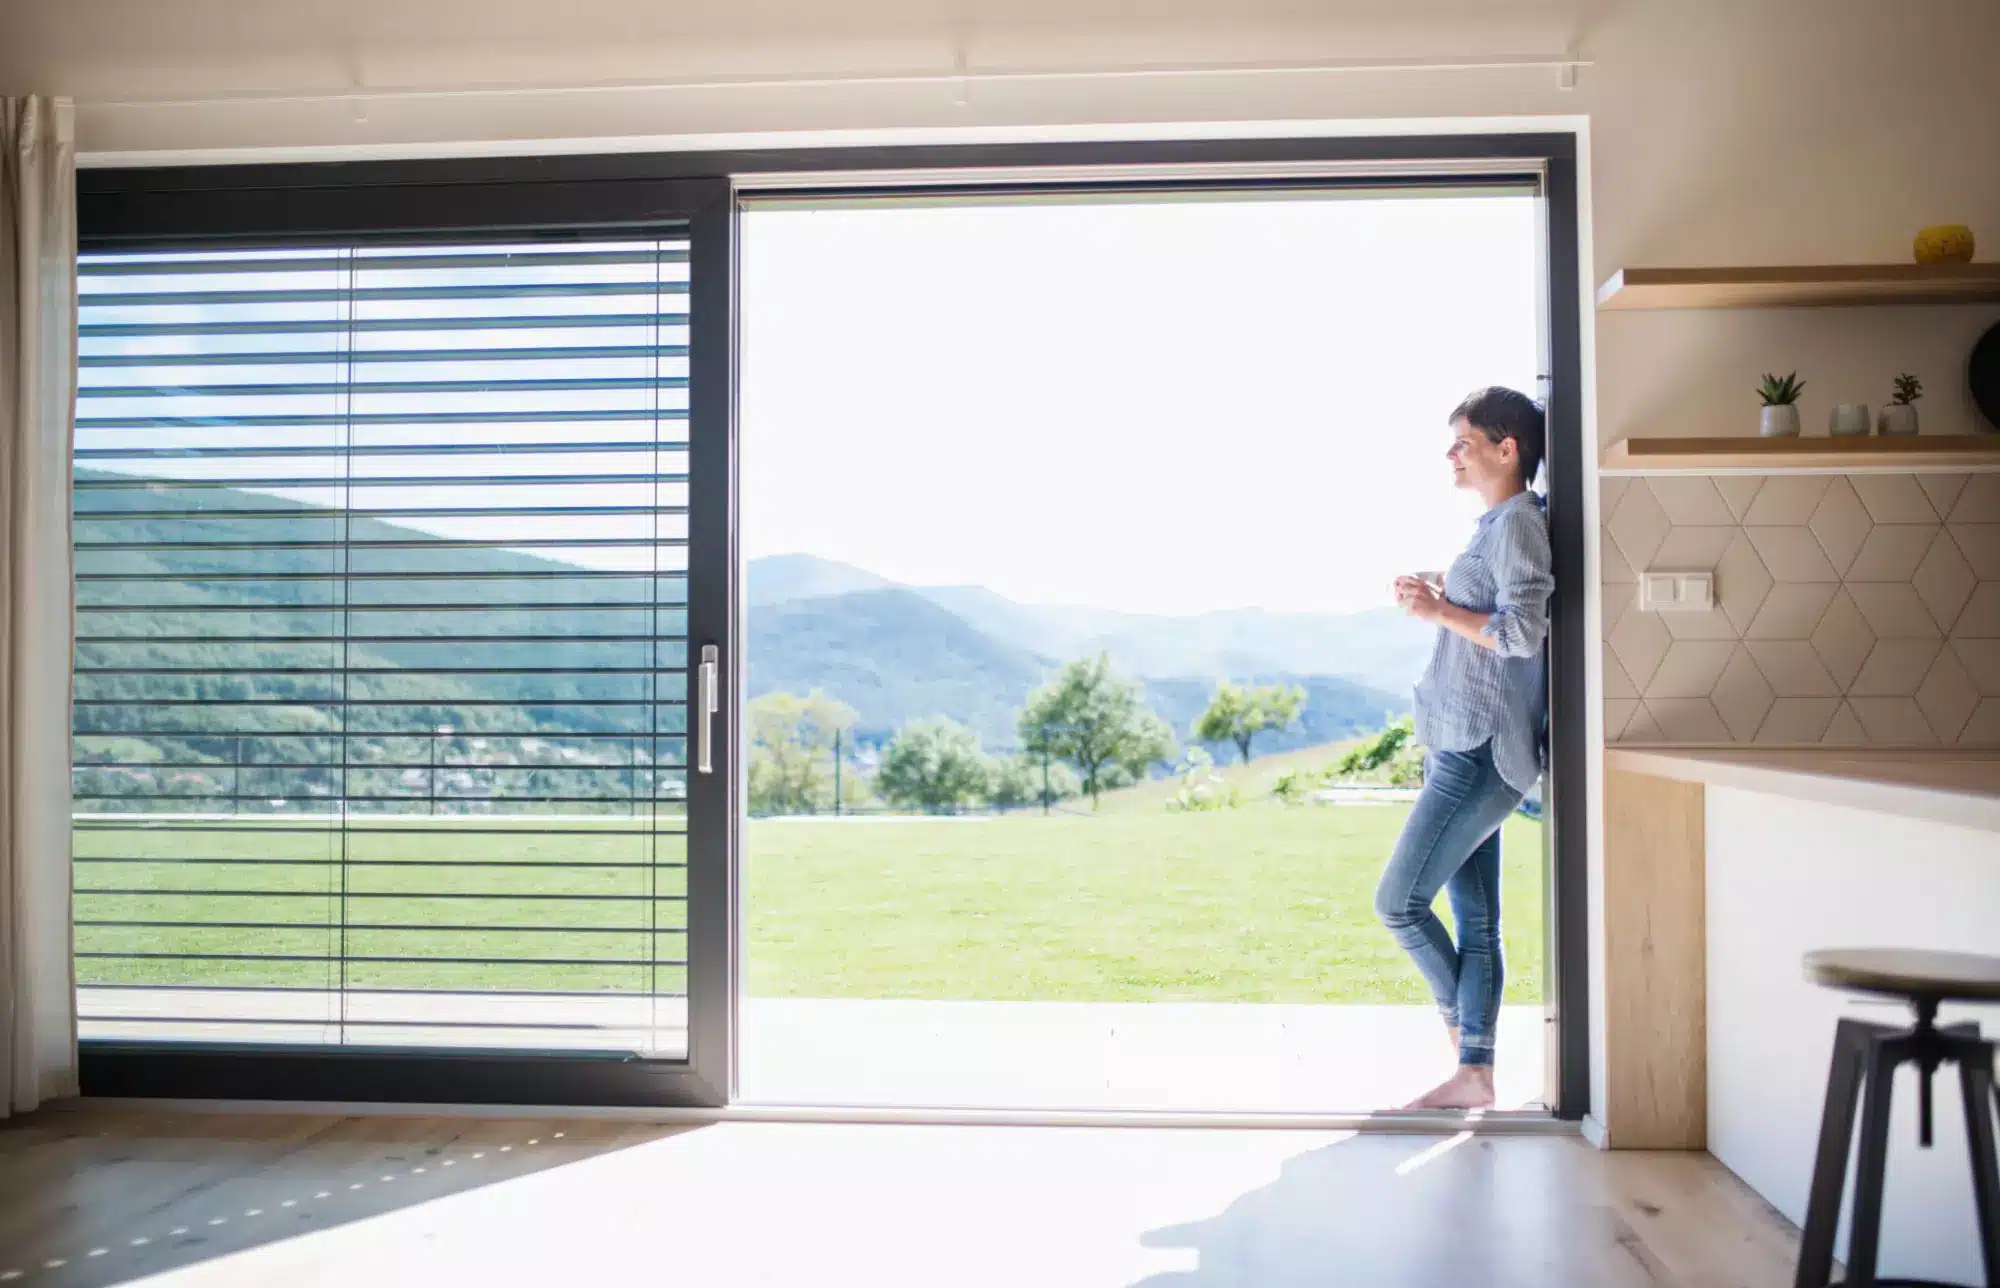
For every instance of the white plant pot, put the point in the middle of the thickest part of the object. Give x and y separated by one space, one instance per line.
1781 421
1849 420
1897 420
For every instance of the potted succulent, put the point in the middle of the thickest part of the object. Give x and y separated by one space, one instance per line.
1900 416
1781 405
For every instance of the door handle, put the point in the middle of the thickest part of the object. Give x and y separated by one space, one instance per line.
709 699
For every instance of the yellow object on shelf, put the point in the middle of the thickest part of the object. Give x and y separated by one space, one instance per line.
1944 244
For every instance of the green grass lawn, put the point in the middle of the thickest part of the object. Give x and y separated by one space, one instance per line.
1260 903
446 903
1257 904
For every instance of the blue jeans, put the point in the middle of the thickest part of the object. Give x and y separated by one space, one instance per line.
1452 841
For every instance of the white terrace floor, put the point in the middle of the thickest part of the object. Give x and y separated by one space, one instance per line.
948 1055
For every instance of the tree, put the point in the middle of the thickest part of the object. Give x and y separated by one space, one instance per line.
1017 782
1096 720
1236 714
933 765
791 751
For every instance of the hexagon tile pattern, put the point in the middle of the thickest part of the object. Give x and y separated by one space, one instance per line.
1850 611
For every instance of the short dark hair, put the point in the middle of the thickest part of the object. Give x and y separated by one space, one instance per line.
1502 413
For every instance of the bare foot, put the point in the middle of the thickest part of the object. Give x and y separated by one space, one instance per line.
1470 1088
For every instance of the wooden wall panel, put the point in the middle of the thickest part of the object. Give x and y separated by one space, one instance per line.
1655 951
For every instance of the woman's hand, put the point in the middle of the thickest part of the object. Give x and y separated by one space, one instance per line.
1418 597
1424 600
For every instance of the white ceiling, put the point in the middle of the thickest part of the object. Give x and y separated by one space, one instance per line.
141 50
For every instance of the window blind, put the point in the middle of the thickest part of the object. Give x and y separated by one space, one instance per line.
381 663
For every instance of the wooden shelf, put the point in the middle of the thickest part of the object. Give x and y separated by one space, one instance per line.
1800 287
1935 453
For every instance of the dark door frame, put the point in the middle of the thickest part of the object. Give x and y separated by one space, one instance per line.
295 204
396 213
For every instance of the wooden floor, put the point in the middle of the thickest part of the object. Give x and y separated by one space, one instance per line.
91 1196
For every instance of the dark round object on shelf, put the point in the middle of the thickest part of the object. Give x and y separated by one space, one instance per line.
1982 372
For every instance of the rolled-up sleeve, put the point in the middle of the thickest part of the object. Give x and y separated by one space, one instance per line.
1523 581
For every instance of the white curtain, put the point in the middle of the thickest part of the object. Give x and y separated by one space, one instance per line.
37 412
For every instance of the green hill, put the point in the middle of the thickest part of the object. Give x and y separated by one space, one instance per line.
1253 781
216 655
785 577
894 657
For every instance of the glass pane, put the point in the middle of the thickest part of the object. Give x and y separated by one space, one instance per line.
381 650
1023 485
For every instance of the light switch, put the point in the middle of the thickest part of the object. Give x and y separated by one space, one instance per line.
1662 592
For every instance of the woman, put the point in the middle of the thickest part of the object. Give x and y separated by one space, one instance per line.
1479 714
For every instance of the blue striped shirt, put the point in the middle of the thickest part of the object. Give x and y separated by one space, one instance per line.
1470 694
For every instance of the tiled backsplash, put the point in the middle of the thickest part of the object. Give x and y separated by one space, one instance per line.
1850 610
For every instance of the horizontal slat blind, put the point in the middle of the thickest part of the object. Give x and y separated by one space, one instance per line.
381 559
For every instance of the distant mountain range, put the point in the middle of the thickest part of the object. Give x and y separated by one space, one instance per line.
894 653
901 653
1379 647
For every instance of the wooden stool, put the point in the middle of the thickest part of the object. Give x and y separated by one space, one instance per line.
1866 1056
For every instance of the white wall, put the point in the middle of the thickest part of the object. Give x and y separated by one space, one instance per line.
1719 131
1786 877
1748 130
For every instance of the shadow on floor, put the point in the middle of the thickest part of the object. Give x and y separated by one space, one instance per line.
1418 1212
98 1197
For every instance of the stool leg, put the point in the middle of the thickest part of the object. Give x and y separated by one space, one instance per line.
1865 1234
1975 1075
1836 1137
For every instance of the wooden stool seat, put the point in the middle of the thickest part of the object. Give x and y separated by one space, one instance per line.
1915 974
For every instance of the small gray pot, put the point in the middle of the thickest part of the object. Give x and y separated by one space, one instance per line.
1780 421
1897 420
1849 420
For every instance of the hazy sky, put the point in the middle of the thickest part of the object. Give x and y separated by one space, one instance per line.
1166 407
1151 406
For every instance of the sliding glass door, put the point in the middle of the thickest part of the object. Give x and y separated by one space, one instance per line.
392 710
409 745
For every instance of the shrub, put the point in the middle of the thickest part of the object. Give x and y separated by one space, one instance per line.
1017 783
935 766
1202 788
1292 786
1372 754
